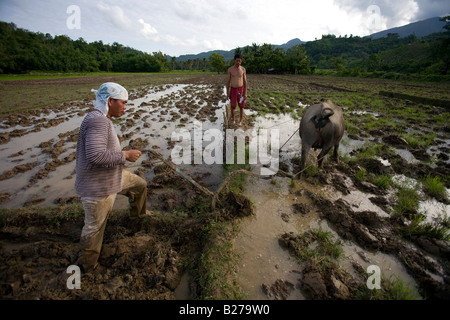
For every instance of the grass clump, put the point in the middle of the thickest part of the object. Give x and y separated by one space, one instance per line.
416 140
318 246
383 181
418 227
434 187
311 170
407 202
237 183
361 174
391 289
370 151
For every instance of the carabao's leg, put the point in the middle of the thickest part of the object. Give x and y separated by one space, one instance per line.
336 153
322 155
305 152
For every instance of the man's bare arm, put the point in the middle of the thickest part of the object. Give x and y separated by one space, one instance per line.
244 76
228 83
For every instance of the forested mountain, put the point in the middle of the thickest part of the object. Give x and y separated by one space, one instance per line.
228 55
419 29
23 51
391 54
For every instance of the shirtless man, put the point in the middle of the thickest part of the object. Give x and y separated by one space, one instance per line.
237 78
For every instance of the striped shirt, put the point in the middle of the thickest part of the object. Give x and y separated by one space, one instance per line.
99 157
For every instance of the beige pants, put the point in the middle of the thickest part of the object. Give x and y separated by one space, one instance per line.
97 211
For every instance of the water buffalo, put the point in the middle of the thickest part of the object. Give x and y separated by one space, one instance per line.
322 127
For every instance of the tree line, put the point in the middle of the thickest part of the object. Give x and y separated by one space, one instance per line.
23 51
267 59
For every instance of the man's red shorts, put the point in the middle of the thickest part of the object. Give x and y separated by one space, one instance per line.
237 96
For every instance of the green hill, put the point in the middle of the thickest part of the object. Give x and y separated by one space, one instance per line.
392 56
23 51
228 55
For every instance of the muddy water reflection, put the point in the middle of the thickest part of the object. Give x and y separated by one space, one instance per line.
152 117
263 261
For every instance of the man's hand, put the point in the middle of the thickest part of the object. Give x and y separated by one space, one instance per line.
132 155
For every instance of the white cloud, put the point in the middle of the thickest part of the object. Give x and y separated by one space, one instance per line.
174 41
391 13
115 15
213 44
148 31
152 34
199 11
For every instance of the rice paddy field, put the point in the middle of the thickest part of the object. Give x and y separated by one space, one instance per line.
315 236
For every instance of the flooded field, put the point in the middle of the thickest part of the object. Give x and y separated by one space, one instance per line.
393 150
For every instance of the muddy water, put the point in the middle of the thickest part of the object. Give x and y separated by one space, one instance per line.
262 260
431 209
157 106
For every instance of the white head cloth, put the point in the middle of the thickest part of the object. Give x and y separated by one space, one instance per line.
106 91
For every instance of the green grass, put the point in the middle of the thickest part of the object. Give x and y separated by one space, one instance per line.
361 174
350 128
369 151
275 102
237 183
383 181
418 140
434 187
391 289
418 227
217 264
407 201
311 170
318 246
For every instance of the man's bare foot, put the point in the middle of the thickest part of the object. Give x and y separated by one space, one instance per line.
240 123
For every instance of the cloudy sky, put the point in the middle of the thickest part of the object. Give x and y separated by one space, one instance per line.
177 27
